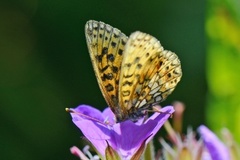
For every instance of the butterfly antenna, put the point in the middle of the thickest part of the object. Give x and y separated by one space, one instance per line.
83 115
158 109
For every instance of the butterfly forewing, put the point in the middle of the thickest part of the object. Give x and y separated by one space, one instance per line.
106 45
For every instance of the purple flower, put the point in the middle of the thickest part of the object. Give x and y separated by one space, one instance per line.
126 138
216 148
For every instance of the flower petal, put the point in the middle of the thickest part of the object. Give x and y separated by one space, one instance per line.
95 132
160 118
89 111
215 147
109 116
91 122
129 136
125 137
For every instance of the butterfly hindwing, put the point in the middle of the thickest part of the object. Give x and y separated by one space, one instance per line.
149 73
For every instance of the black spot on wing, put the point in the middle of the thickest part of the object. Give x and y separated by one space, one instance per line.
120 52
127 83
113 44
139 66
114 69
110 57
109 87
104 50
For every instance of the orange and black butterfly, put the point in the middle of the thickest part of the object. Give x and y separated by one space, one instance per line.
134 73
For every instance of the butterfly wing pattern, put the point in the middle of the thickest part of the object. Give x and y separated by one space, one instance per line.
106 45
133 73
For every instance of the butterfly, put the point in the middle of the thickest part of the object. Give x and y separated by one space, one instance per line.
134 73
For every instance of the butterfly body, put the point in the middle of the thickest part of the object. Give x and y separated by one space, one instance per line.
133 73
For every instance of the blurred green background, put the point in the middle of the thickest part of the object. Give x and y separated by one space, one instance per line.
222 27
45 66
